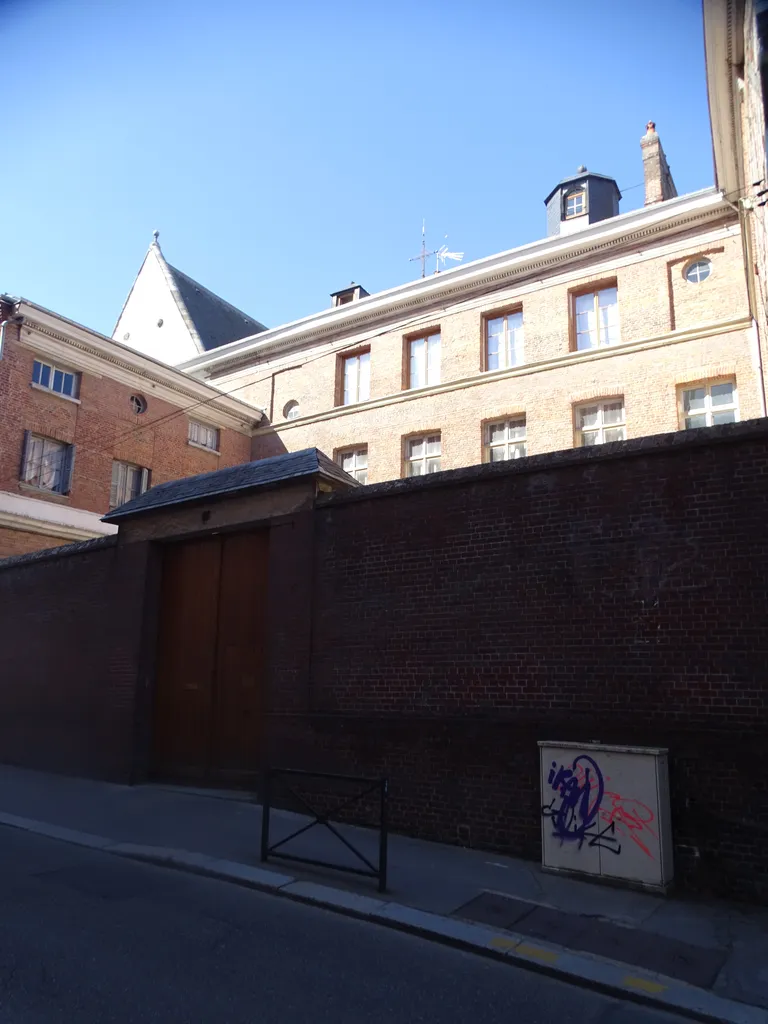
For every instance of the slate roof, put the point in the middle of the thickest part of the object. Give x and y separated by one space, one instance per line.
216 321
249 476
580 177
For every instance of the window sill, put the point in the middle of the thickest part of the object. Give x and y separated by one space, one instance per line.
203 448
56 394
42 491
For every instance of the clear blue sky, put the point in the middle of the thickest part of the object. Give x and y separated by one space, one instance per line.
284 149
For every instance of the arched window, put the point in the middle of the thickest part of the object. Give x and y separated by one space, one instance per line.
574 203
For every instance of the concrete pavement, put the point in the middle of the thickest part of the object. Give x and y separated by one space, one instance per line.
707 960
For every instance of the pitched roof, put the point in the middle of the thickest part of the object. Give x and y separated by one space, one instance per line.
216 321
249 476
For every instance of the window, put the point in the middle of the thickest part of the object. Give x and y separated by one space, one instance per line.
291 410
505 440
574 203
597 319
424 361
128 482
708 405
697 272
47 464
138 404
203 436
504 341
357 378
355 462
53 378
422 455
600 422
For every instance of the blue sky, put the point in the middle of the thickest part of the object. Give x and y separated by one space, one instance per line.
286 149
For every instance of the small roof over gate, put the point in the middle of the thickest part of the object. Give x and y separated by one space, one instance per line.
249 476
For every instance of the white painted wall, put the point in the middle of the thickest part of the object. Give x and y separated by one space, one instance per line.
151 300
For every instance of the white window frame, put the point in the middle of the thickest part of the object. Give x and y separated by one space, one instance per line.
54 369
697 262
424 360
710 410
128 482
598 334
47 464
358 467
601 426
574 194
356 378
511 340
202 435
509 444
425 463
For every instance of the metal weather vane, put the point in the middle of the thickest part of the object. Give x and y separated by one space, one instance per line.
441 255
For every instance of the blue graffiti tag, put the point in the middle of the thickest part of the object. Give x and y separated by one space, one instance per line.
580 788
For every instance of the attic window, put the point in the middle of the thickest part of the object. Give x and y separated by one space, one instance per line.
291 410
574 203
138 404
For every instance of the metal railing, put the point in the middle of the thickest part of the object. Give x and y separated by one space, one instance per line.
273 775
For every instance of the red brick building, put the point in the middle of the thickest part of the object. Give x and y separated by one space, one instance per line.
87 423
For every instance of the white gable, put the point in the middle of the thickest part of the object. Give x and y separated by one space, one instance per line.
151 321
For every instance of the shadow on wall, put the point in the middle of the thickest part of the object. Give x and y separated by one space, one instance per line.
264 446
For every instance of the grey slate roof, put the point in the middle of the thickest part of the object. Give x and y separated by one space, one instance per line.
217 322
249 476
580 177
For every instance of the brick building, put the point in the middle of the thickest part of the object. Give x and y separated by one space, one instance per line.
613 326
88 423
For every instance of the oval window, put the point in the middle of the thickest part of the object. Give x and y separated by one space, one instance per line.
138 404
698 271
291 410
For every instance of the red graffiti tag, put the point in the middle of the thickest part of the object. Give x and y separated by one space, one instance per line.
631 818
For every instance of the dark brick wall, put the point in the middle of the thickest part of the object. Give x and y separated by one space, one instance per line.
71 637
619 595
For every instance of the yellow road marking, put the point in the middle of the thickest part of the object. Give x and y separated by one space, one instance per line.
499 942
644 984
537 953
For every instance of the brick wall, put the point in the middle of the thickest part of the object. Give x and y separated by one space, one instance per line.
614 595
71 635
655 301
21 542
102 427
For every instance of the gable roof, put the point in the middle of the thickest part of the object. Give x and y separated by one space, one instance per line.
215 321
248 476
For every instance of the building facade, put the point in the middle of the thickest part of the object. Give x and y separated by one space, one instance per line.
88 424
613 326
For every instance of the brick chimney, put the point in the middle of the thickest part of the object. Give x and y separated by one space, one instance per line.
658 177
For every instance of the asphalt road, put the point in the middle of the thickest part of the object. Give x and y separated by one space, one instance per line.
86 938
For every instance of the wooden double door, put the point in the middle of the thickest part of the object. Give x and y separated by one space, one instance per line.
210 670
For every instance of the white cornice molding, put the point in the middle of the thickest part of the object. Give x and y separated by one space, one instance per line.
31 515
86 350
654 222
724 52
486 377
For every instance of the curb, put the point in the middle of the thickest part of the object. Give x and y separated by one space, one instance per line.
585 970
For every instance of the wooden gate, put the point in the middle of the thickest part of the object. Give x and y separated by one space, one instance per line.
211 659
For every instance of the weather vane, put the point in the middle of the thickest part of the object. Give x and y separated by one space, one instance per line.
441 255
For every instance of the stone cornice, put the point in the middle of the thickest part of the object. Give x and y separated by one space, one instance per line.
96 354
485 377
614 234
32 515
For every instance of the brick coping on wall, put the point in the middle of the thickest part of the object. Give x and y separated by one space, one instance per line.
64 551
639 447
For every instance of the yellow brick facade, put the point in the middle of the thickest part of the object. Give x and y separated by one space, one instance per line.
672 332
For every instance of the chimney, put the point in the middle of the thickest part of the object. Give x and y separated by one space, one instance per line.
658 177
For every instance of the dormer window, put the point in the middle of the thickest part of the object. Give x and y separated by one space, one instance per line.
574 203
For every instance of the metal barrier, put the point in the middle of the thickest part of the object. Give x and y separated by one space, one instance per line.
319 818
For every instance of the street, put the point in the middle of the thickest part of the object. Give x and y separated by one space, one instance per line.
90 937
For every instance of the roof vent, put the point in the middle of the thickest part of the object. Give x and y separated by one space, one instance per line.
347 295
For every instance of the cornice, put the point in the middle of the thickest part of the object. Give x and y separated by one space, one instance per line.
486 377
486 275
175 387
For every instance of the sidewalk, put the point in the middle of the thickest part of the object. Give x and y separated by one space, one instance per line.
707 960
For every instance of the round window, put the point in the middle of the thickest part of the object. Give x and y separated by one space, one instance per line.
160 322
138 404
698 271
126 336
291 410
